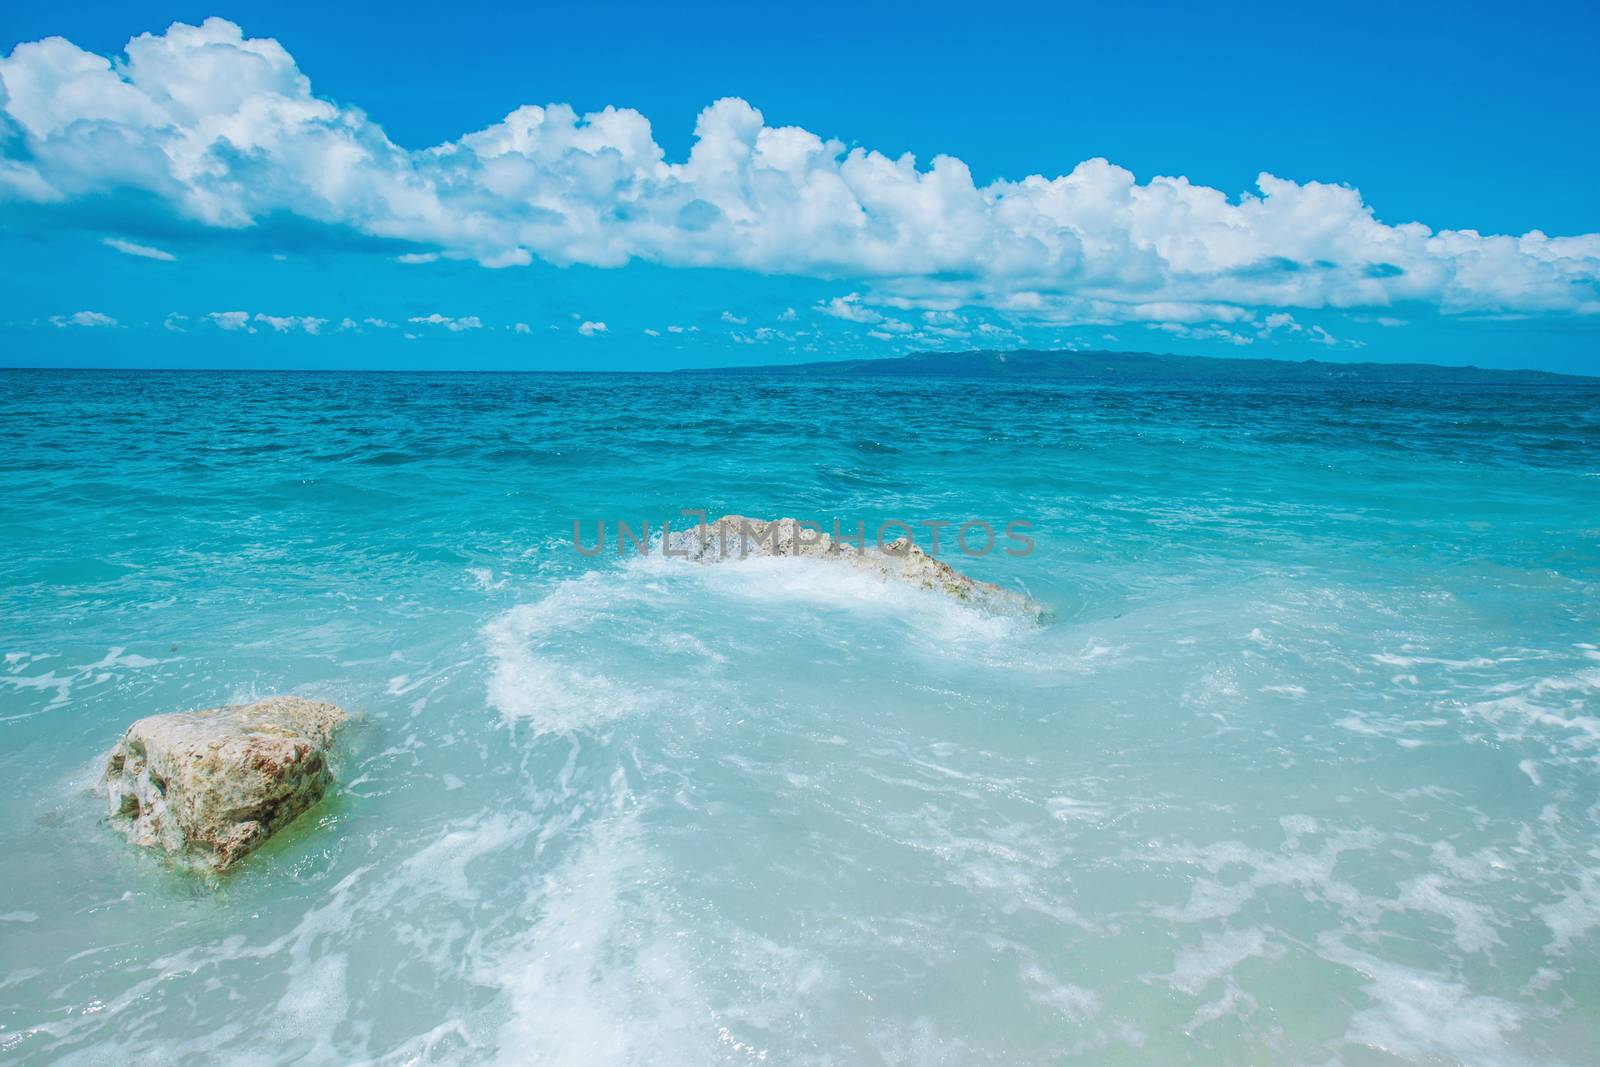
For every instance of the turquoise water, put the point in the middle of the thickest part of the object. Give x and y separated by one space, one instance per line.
1302 770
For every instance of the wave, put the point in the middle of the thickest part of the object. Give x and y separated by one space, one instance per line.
650 631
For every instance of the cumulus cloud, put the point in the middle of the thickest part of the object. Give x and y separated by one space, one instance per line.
234 321
1247 329
849 308
83 318
142 251
466 322
1204 333
227 130
286 323
592 329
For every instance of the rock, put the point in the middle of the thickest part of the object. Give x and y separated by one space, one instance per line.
214 784
738 537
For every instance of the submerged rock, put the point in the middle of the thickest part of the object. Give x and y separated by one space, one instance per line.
738 537
216 783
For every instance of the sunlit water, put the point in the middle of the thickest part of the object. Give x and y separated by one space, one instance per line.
1303 769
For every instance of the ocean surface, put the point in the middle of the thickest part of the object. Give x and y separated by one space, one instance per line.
1304 768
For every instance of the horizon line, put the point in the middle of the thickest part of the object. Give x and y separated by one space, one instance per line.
790 368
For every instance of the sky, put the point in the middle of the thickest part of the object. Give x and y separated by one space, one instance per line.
625 186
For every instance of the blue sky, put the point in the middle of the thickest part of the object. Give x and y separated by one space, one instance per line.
207 199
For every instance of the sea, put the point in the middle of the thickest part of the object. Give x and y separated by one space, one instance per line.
1300 766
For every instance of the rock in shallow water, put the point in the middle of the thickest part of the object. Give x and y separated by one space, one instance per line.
216 783
738 537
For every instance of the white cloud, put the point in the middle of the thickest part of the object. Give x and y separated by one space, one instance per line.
83 318
466 322
244 320
1285 323
789 315
142 251
730 317
1204 333
591 329
285 323
175 322
1247 329
648 332
417 257
849 308
231 320
522 327
226 130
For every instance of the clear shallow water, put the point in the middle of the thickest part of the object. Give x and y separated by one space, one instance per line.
1304 770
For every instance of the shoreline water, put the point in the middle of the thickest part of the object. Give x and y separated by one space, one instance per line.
1303 769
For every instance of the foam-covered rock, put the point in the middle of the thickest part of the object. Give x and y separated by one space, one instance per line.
735 537
212 785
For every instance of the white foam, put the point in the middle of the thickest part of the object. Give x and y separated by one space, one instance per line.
1418 1015
598 975
632 610
1233 1003
1484 865
1474 924
766 580
1291 866
47 681
1216 956
483 578
120 657
1072 1001
1575 913
315 1003
1475 662
531 681
445 860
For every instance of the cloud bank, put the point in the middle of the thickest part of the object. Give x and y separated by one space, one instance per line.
226 130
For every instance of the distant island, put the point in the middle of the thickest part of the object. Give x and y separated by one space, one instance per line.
1063 365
